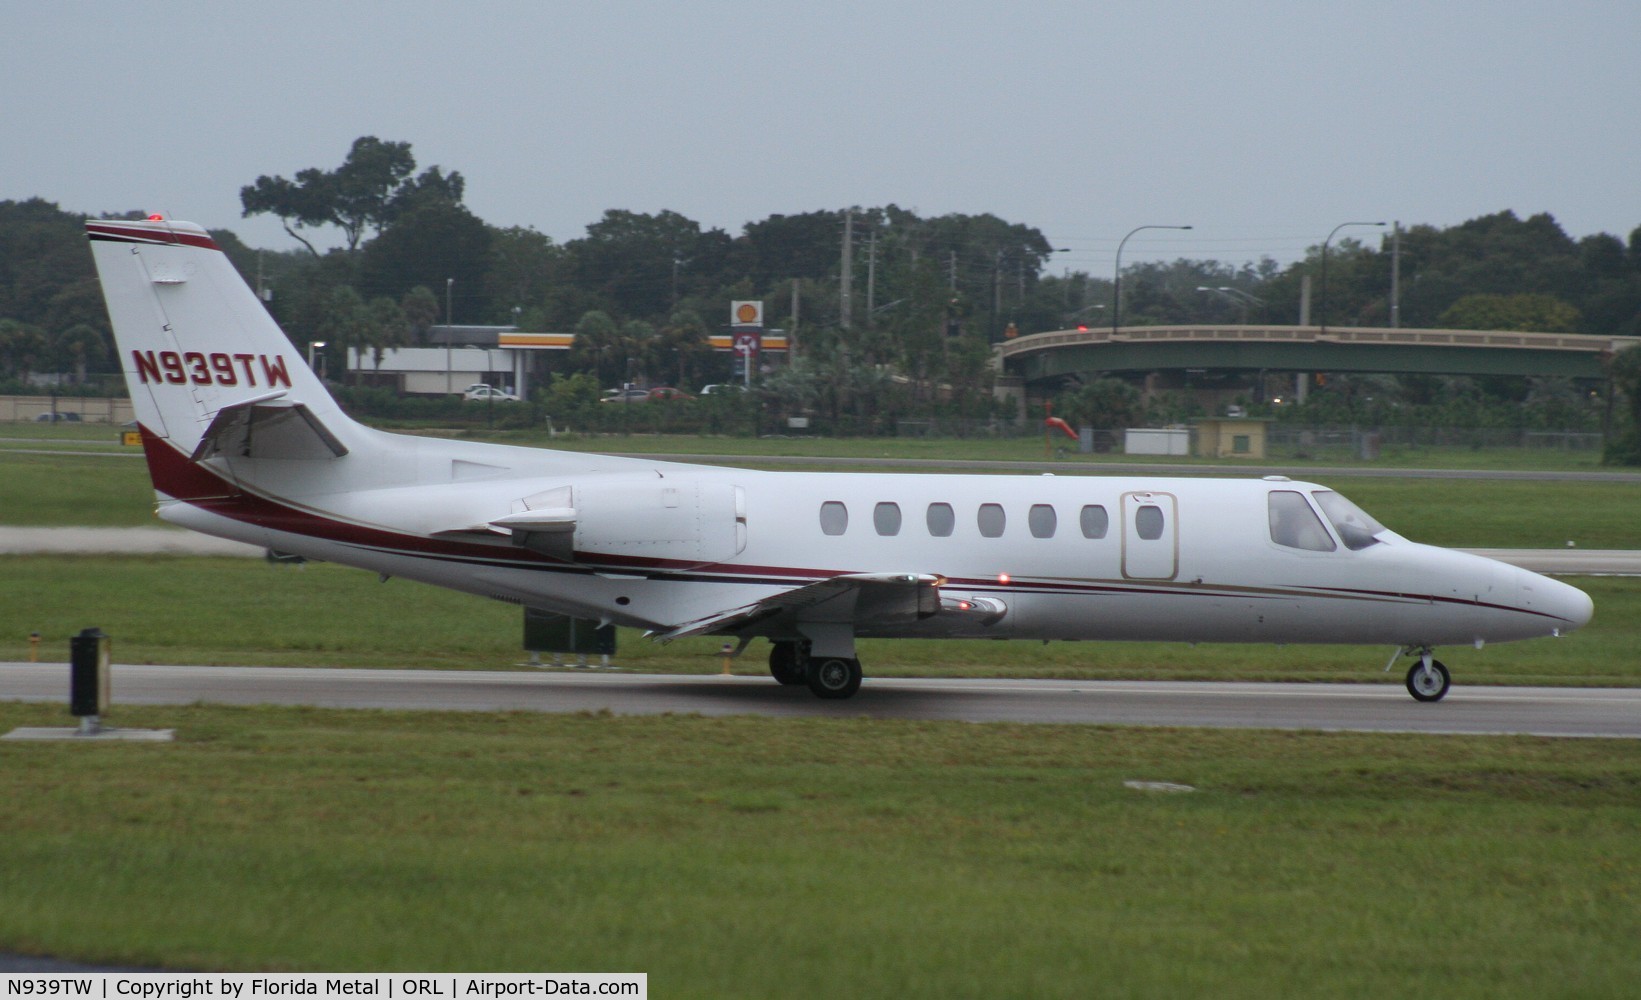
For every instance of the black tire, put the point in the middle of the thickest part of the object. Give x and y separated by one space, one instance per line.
1428 685
834 677
784 663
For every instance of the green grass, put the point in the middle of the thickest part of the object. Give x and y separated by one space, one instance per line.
39 490
1030 448
1492 513
813 857
169 609
30 434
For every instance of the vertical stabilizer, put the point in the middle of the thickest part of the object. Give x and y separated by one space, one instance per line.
194 342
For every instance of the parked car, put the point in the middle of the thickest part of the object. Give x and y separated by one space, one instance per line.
720 388
480 391
46 418
661 394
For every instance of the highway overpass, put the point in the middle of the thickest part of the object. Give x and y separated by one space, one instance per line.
1048 357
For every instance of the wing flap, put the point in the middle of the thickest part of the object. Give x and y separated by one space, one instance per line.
852 598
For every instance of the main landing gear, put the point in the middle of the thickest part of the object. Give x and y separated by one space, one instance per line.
827 676
1427 679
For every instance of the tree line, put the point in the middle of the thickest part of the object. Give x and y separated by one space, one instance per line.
928 296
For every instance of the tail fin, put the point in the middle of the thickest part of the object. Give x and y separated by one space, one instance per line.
205 363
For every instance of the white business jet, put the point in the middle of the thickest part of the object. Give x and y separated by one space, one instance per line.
243 442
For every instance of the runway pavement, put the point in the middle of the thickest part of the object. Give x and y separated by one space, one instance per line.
147 540
1593 712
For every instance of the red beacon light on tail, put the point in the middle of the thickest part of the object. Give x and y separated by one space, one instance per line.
156 217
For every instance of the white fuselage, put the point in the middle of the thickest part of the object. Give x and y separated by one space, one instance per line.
1212 573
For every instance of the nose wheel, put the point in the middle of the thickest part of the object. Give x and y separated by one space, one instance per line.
1428 679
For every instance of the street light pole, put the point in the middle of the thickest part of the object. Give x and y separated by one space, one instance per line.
449 377
1322 303
1116 277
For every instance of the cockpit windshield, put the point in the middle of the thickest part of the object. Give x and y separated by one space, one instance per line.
1357 529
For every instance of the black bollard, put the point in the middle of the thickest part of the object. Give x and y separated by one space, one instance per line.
88 677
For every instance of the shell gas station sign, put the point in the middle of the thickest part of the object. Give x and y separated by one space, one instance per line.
746 320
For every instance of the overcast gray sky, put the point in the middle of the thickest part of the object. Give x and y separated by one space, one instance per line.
1262 124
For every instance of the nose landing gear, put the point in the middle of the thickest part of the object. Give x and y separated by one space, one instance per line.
1427 679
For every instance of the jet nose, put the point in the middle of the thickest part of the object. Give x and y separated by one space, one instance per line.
1563 601
1576 605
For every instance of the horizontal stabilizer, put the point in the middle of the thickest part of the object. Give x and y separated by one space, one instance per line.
266 427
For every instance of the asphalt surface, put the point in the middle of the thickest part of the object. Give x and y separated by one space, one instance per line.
150 540
1593 712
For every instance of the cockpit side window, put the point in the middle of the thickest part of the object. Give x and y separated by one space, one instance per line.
1295 525
1357 529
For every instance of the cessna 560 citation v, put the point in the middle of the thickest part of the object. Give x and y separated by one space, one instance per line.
243 442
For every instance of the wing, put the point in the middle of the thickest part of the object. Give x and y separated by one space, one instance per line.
857 599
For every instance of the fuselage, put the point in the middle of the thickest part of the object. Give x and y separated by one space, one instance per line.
1063 557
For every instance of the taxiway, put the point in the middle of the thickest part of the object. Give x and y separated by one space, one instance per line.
1538 711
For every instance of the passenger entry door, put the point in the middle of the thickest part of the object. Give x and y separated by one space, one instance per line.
1150 536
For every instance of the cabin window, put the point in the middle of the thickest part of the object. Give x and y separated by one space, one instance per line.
1295 525
1095 521
991 520
1041 520
1356 527
941 520
834 517
886 518
1149 522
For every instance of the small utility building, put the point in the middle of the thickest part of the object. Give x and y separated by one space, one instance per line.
1231 437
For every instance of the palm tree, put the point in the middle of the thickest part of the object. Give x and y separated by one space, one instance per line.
596 347
22 346
386 327
346 320
79 345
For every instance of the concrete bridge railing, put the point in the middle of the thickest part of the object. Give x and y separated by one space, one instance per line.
1309 348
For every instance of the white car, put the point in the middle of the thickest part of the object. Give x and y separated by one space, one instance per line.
480 391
